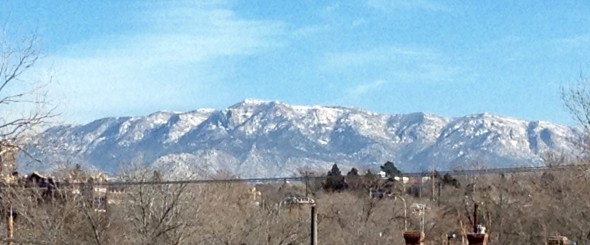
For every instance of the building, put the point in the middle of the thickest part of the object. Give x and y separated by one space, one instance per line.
8 155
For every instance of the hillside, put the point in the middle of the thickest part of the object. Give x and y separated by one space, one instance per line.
268 138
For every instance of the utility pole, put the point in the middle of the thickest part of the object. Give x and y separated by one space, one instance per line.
314 225
438 198
306 184
10 227
314 216
432 181
420 189
475 218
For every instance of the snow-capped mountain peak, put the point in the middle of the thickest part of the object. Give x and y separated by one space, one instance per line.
257 138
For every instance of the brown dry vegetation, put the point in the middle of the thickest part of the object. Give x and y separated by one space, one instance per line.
516 209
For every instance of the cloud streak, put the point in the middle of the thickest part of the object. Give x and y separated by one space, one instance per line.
392 5
393 63
365 88
174 46
574 42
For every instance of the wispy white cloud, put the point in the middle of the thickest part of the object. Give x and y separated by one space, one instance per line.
392 5
516 50
169 57
365 88
573 42
181 33
393 63
385 54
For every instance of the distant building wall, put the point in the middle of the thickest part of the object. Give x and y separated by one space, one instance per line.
8 156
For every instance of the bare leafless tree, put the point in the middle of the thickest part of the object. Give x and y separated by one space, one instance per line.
22 93
577 100
157 213
24 107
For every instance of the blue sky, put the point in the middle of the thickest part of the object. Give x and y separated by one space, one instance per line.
451 58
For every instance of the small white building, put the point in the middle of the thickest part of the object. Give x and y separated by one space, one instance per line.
402 179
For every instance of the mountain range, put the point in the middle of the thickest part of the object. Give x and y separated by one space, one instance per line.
257 138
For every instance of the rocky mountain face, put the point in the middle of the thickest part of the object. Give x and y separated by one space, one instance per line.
273 139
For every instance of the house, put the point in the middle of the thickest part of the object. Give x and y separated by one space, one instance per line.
92 187
403 179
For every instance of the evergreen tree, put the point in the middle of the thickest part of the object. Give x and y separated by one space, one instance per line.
353 179
334 180
353 172
390 170
335 171
449 180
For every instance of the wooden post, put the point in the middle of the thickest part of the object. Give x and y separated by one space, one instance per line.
475 218
438 198
433 179
10 227
314 227
306 184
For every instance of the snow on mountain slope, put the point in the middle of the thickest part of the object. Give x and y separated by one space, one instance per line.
269 138
181 123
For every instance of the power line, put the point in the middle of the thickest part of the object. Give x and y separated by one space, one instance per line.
120 183
496 170
312 178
